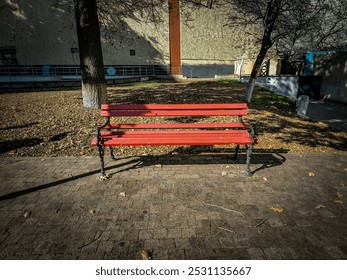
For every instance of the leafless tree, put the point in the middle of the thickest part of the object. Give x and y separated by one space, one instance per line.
292 26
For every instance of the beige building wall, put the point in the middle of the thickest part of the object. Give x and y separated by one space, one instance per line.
38 33
43 34
207 39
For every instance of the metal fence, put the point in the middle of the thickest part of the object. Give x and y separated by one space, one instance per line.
57 72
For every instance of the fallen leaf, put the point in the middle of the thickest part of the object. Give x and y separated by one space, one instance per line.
338 201
277 209
340 195
104 177
311 174
224 173
319 206
26 214
338 164
122 194
264 178
145 255
158 165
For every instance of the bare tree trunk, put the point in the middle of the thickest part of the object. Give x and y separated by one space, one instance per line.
92 66
273 11
255 71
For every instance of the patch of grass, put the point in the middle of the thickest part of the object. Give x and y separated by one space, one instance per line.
261 89
228 81
141 84
272 100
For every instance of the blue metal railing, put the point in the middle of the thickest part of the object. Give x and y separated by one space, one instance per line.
22 73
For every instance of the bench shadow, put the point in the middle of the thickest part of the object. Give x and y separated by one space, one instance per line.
263 158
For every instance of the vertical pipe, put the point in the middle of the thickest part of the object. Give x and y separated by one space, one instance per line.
175 37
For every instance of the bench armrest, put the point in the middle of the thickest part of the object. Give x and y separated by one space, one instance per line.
250 130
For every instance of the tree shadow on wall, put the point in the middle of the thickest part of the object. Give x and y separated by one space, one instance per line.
49 26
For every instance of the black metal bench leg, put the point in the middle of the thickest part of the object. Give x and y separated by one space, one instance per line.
103 175
248 161
112 154
102 163
236 152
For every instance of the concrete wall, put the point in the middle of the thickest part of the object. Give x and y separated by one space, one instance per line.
282 85
333 69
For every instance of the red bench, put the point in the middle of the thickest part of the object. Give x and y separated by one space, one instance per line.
141 133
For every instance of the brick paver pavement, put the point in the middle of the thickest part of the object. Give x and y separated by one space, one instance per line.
176 207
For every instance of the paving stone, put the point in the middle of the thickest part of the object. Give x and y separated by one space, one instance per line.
273 253
256 253
336 253
184 210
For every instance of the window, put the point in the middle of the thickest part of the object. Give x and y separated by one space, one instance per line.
74 54
8 56
74 50
132 53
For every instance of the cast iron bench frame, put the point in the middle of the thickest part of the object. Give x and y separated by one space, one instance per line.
174 134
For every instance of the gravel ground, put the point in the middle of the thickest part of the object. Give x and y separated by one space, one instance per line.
45 123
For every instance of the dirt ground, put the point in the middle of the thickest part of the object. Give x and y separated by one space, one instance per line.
45 123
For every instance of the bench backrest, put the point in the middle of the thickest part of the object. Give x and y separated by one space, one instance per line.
167 110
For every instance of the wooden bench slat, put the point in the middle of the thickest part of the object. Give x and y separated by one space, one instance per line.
158 141
174 134
173 113
110 107
176 126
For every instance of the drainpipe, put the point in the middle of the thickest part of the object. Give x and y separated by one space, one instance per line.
175 38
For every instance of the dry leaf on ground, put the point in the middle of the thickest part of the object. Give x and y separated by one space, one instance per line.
277 209
145 255
26 214
311 174
319 206
340 195
338 201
